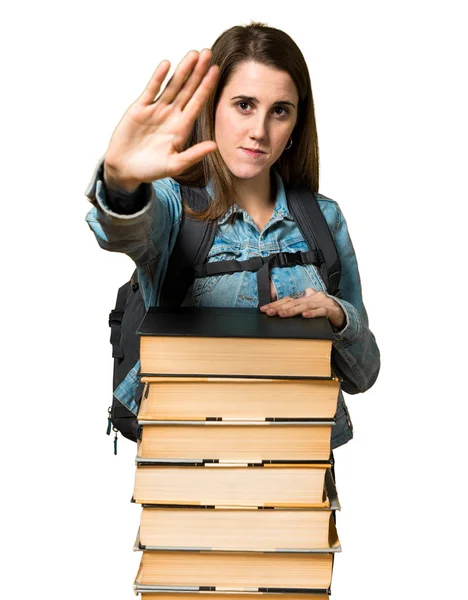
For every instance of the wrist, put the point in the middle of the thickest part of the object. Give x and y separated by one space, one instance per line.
338 318
114 180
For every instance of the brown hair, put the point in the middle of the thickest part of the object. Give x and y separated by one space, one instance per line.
299 166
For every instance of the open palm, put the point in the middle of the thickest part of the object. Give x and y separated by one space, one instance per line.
148 141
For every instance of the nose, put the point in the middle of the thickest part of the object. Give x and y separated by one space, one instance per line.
258 125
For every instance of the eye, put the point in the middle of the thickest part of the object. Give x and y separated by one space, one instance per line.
284 109
243 102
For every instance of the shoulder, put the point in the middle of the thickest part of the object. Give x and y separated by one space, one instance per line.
330 210
168 188
176 194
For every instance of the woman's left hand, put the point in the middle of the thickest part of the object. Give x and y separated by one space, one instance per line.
309 304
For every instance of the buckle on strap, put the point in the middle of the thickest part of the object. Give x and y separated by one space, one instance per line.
289 259
282 259
312 257
115 317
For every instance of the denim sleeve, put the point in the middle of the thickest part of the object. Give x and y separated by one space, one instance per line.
355 356
143 225
127 203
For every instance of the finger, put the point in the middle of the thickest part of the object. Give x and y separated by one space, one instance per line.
288 308
276 303
179 162
293 308
181 74
311 313
201 95
293 311
196 77
154 84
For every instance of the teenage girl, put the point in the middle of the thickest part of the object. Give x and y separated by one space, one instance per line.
239 120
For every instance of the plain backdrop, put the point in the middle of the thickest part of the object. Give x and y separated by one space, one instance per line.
389 84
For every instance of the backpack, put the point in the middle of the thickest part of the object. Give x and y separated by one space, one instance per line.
188 261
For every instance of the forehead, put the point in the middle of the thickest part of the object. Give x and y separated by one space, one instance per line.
255 79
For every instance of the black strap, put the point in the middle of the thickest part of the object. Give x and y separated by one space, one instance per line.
115 321
262 265
314 228
193 243
280 259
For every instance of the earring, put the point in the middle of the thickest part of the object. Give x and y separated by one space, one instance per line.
289 145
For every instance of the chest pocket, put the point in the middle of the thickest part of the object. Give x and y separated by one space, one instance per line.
201 286
305 275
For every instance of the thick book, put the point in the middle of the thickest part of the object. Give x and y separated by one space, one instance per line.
272 441
237 530
190 398
232 484
278 572
239 342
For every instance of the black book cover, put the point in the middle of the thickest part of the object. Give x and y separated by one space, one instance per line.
231 322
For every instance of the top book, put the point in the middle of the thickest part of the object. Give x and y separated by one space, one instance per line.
239 342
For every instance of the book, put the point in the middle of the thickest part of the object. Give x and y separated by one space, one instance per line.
236 530
191 398
230 484
234 571
240 342
272 441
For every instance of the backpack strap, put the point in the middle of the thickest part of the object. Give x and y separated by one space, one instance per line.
115 320
193 243
315 231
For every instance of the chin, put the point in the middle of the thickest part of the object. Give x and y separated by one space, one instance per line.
247 171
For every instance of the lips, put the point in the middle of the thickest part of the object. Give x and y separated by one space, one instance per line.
250 152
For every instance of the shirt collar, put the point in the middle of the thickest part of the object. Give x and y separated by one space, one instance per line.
281 205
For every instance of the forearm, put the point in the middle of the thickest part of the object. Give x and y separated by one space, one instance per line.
138 224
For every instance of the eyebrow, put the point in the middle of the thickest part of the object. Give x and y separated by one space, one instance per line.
253 99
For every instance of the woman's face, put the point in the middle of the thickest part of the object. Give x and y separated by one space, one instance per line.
256 109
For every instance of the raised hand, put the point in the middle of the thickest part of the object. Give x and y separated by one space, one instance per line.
147 143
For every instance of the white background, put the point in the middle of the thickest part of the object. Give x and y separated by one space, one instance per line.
389 83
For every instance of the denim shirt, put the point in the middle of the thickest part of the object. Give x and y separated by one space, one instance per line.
148 237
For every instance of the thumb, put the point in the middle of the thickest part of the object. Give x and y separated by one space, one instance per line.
181 161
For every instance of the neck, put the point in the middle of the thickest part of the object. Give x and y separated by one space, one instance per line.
256 195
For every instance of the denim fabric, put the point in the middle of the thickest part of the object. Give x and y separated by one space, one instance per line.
148 237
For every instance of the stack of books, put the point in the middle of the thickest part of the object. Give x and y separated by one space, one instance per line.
233 470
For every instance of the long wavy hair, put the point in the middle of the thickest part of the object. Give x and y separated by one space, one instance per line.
298 166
